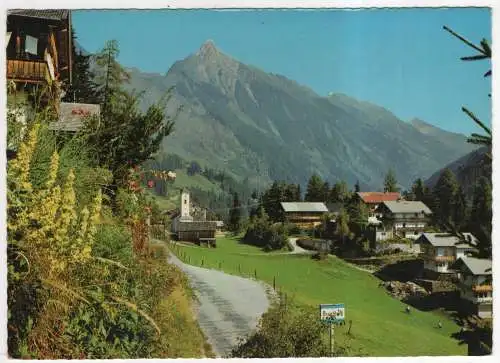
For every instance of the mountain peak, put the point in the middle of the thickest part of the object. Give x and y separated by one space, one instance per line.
208 49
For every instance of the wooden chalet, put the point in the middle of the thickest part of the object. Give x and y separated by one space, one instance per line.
304 214
39 46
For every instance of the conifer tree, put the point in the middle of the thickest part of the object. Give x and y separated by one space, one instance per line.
235 214
83 89
460 213
125 136
418 190
390 182
445 192
480 221
357 187
315 189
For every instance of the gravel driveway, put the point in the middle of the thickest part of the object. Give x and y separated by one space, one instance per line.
297 248
229 307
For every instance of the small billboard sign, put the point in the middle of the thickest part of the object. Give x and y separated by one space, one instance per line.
332 313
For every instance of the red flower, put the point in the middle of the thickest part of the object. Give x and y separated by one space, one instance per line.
151 183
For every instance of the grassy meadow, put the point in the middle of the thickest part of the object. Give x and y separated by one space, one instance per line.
380 326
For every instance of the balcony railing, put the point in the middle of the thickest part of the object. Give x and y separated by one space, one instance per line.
482 288
488 299
31 71
426 256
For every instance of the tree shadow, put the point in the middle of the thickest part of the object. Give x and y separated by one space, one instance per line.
403 271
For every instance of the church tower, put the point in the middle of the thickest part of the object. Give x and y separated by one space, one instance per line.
185 205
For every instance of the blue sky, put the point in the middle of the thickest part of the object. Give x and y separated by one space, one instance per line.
401 59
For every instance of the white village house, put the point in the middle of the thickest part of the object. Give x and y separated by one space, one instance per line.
475 275
440 250
407 219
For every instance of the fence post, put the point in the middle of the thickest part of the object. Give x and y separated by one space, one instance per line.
239 268
255 273
274 283
202 262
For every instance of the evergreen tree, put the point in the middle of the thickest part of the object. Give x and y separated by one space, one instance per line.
292 193
125 136
315 189
357 188
418 190
390 182
358 216
83 89
235 214
460 212
342 226
325 193
339 193
445 192
481 215
272 199
484 53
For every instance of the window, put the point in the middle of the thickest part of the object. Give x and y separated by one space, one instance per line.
185 201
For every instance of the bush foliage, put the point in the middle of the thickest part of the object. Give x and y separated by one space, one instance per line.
262 233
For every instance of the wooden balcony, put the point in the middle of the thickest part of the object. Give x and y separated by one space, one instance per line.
429 257
30 71
482 288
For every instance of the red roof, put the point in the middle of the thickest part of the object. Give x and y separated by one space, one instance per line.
378 197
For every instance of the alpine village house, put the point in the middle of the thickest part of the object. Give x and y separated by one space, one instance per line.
39 59
306 215
475 284
440 250
401 218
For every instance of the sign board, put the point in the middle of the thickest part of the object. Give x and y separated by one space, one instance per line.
332 313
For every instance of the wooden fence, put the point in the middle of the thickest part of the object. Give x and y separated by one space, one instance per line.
160 231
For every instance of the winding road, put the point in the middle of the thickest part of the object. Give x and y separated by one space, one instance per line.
297 249
229 307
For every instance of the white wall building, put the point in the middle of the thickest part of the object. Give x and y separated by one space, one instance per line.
475 276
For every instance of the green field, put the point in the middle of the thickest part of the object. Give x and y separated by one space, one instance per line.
380 327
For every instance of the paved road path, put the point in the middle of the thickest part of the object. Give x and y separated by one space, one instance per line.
229 307
297 248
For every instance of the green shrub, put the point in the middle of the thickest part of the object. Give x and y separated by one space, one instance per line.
285 331
262 233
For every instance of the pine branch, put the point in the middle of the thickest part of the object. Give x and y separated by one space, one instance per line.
478 142
488 74
486 47
476 120
480 137
475 57
470 44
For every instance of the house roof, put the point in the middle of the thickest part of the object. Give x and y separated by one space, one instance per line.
477 266
378 197
72 116
46 14
334 207
448 240
185 226
316 207
404 206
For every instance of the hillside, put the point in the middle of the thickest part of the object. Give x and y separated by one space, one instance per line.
468 169
264 126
